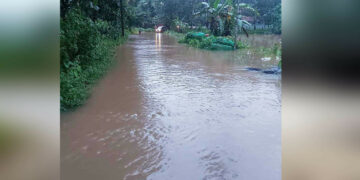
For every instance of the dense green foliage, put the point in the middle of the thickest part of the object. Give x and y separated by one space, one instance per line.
275 15
225 18
85 55
90 29
216 15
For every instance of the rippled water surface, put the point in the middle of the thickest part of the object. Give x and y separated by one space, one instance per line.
170 112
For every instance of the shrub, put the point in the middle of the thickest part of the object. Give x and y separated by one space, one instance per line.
206 43
103 27
199 40
182 41
85 56
194 43
73 87
78 39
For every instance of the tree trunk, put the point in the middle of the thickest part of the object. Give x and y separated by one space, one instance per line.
247 35
213 26
122 18
254 23
236 26
227 30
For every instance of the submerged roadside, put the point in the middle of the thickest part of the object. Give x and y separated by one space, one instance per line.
243 42
265 47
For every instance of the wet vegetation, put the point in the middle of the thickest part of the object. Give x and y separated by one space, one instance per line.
199 40
86 53
91 29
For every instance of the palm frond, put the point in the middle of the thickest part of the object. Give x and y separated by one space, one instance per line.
239 23
197 13
246 23
220 7
205 4
216 3
244 6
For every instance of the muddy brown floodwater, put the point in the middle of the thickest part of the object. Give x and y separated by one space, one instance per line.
170 112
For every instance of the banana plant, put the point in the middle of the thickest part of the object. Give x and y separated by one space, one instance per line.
242 24
180 25
219 14
214 12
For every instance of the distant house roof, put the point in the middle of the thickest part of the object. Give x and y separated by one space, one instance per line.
248 18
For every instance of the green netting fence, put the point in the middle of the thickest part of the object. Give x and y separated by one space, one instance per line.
208 42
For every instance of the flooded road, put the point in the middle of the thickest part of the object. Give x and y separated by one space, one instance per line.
171 112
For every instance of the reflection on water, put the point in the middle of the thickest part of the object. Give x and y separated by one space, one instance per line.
158 40
168 111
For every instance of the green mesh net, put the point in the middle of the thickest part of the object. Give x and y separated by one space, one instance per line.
211 42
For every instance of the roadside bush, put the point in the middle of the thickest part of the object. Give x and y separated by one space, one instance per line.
199 40
183 40
194 43
79 38
206 43
86 54
73 87
103 27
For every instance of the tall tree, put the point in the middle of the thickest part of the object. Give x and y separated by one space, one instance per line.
236 27
122 18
